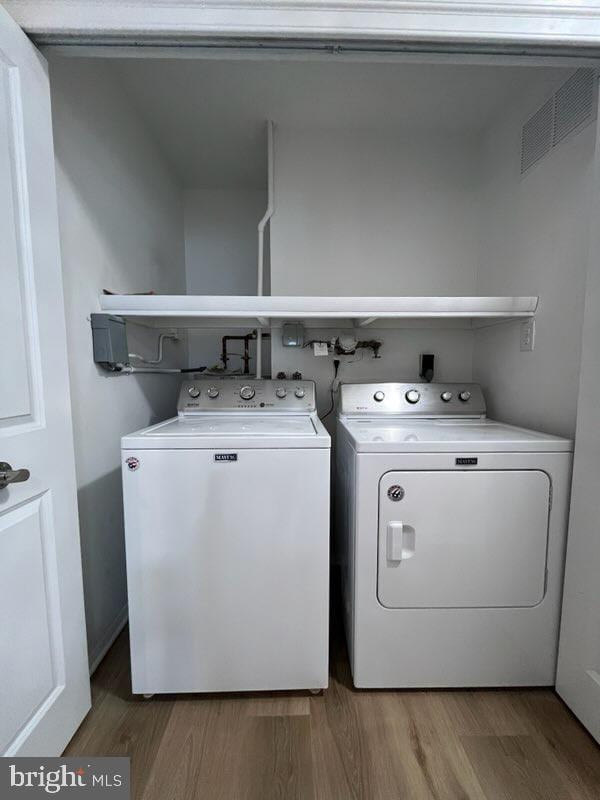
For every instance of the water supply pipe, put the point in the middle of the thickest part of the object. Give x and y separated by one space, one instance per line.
159 355
261 240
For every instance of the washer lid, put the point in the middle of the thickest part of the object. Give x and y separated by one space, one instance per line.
232 430
401 435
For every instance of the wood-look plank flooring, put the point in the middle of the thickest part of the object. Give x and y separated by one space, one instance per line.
346 744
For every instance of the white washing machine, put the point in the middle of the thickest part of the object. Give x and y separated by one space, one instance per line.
452 534
227 538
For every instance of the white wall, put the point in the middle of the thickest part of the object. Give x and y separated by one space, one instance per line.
453 348
221 239
366 213
121 224
221 252
534 241
370 213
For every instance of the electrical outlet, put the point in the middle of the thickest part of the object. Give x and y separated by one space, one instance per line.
527 335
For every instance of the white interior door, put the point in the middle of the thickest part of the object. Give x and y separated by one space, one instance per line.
44 682
578 678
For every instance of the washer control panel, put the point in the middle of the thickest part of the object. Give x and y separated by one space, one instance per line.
204 393
414 399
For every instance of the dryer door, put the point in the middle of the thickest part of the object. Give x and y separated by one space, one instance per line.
460 538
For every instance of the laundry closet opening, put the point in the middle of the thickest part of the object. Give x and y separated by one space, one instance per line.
390 178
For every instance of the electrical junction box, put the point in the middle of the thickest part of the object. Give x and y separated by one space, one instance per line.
109 338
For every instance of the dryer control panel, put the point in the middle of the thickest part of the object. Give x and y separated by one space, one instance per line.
413 399
204 394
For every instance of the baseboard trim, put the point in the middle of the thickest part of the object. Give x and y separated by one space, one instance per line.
104 645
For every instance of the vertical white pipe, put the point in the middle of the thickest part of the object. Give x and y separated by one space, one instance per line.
261 240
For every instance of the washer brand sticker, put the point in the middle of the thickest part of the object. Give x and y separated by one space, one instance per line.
68 777
226 456
466 462
133 463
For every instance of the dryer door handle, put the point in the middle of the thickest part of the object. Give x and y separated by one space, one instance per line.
400 541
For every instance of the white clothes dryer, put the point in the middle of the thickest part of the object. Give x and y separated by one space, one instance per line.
452 531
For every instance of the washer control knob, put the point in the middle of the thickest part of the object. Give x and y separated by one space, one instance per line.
378 396
413 396
464 396
247 392
212 392
280 392
299 392
193 391
446 396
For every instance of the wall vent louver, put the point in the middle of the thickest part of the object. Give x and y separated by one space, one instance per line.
573 103
536 137
572 106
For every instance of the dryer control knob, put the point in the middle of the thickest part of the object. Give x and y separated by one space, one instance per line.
193 391
212 392
413 396
378 396
446 396
299 392
281 392
247 392
464 396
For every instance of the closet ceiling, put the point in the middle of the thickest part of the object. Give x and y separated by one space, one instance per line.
209 115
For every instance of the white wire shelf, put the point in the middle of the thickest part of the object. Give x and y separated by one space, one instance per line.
210 311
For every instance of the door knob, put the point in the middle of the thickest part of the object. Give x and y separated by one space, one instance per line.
10 475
